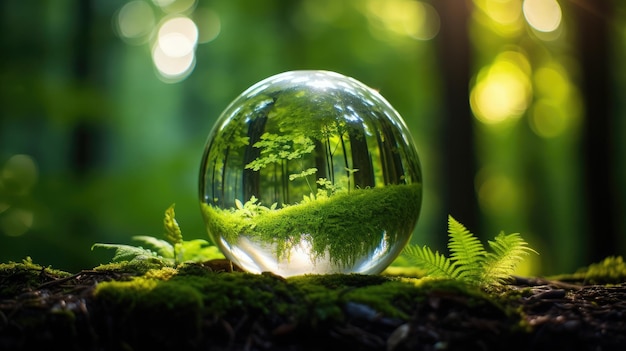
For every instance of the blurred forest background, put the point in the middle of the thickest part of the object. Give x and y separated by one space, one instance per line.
516 106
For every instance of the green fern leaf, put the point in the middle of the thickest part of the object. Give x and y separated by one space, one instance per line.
508 252
433 263
173 233
127 252
466 251
162 247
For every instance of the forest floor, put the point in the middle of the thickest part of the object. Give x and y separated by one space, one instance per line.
210 306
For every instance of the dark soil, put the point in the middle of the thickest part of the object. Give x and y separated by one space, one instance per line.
526 314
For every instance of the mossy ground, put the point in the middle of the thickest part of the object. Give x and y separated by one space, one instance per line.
207 306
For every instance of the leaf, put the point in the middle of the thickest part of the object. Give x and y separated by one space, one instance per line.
171 251
126 252
303 174
162 247
435 264
508 252
173 233
239 204
466 250
200 250
469 261
253 200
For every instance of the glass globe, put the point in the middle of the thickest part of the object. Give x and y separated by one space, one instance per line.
310 172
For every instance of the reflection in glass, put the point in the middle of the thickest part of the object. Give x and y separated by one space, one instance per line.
310 172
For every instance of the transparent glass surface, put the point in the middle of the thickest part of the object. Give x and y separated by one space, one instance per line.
310 172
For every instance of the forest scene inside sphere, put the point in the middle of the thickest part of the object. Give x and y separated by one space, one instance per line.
310 172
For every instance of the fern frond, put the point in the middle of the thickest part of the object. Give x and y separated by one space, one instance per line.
127 252
508 252
173 233
162 247
433 263
466 250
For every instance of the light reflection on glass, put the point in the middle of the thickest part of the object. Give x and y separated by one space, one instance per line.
306 177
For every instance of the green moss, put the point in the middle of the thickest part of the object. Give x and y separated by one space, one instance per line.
150 307
611 270
339 281
135 266
151 293
325 295
184 302
216 293
308 299
400 269
333 223
164 273
199 269
18 277
393 298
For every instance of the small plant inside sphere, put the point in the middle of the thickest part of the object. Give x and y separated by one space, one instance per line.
310 172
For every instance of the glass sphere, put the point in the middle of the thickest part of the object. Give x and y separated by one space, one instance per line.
310 172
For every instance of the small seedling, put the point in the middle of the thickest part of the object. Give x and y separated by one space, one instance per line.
469 261
169 252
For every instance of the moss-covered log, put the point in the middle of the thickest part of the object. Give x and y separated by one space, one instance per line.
211 306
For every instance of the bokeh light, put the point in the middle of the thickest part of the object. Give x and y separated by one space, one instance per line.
551 82
172 28
175 6
497 192
504 12
542 15
174 51
501 16
208 23
172 68
547 119
17 178
556 107
178 37
413 19
18 175
503 89
163 3
325 11
135 22
16 221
